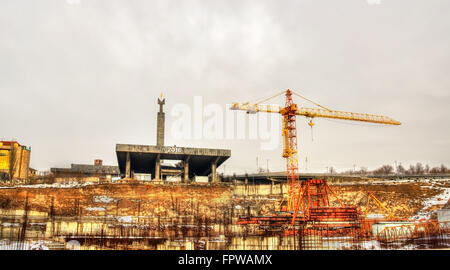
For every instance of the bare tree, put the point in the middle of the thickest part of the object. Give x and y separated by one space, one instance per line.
419 170
401 169
348 172
411 170
435 170
332 170
443 169
384 170
363 171
387 169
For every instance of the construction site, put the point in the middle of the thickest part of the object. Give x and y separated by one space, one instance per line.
146 202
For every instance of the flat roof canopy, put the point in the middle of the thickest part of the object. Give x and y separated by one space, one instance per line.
143 157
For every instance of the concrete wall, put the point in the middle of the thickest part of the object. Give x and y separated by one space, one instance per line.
201 179
85 179
170 178
81 178
443 215
143 176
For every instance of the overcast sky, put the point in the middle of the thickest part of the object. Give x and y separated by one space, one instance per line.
79 76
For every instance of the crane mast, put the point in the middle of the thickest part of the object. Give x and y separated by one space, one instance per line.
290 151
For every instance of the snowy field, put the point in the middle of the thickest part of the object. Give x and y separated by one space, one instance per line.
103 199
439 199
394 182
28 245
54 185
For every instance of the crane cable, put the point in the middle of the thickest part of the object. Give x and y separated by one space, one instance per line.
353 123
274 96
315 103
295 93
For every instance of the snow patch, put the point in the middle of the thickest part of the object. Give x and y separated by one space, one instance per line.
125 219
55 185
6 244
103 199
441 198
7 224
95 208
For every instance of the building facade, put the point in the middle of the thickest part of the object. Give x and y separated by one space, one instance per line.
169 163
83 173
14 160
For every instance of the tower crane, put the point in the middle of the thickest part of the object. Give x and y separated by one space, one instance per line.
300 195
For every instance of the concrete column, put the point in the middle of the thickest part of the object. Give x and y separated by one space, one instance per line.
160 129
160 123
186 170
271 187
158 168
246 186
128 166
213 172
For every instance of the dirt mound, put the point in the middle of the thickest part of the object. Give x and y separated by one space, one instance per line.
118 199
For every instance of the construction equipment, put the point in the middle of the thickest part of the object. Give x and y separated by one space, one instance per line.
429 231
296 191
388 214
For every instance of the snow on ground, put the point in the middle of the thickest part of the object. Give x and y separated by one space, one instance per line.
339 243
125 219
393 182
7 224
372 244
54 185
95 208
375 216
6 244
103 199
441 198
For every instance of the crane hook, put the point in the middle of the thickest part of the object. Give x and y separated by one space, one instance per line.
311 124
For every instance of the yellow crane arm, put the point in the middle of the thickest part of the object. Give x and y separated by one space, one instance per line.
364 117
386 211
316 112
